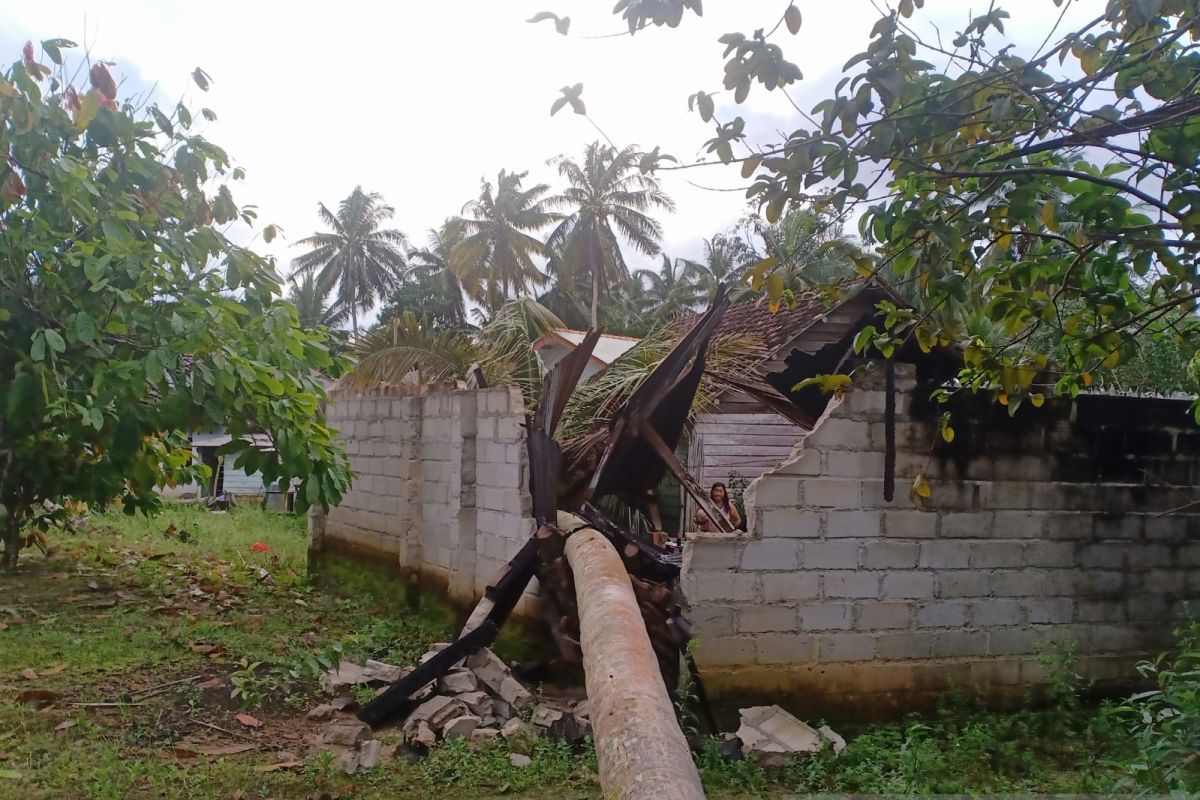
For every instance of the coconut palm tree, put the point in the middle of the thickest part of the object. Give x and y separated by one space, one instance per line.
725 258
608 198
670 291
312 306
809 248
494 260
359 260
430 275
502 347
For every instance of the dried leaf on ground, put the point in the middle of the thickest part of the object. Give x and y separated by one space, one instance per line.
38 697
55 670
249 721
211 683
29 674
226 749
279 766
64 726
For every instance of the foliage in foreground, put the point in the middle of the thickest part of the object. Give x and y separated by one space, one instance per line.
126 313
1165 720
1047 180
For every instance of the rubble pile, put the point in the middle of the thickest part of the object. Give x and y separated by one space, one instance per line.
477 700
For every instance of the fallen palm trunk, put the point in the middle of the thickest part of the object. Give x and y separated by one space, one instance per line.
641 751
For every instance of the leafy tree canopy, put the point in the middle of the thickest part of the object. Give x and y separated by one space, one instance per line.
1055 183
127 315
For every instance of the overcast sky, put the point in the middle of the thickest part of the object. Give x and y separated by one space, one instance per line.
420 100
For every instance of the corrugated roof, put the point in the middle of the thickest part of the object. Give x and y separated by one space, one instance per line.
608 348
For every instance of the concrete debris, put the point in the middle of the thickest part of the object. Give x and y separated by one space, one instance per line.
496 675
345 732
348 674
557 723
460 727
458 681
480 694
436 711
519 760
483 734
480 703
834 738
521 737
363 757
771 735
424 735
322 713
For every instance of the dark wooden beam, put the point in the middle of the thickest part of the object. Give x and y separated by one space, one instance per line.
685 478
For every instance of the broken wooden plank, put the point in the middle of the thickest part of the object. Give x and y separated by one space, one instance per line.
685 478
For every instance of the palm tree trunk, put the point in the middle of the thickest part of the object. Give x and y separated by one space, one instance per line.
641 752
596 299
354 318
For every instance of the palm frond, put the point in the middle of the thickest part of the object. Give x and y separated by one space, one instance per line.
595 402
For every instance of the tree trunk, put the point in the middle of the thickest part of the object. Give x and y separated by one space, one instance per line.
596 299
640 749
354 319
12 542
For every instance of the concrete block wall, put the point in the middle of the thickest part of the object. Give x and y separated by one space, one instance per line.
841 594
440 483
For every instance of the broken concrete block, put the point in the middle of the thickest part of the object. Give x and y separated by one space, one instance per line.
368 754
835 740
502 710
557 724
460 727
437 711
514 693
380 672
322 713
347 674
483 734
458 681
770 735
519 760
496 676
480 703
345 732
521 737
581 710
424 735
434 650
363 757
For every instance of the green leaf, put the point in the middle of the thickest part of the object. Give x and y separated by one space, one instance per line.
54 48
85 327
55 341
163 123
10 775
38 349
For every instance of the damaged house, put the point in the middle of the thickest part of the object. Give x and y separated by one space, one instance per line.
882 563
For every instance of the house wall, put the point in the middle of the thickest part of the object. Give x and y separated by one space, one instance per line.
439 483
1067 522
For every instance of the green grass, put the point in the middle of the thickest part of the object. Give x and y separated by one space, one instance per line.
123 606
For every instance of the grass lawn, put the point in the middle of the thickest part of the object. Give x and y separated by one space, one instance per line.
131 604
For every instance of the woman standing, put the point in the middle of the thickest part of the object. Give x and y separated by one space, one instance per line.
720 497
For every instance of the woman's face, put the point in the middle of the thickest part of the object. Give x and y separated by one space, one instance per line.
718 493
